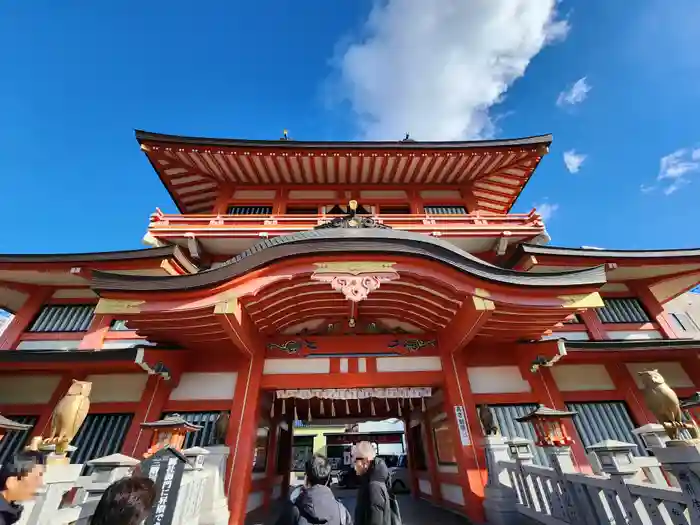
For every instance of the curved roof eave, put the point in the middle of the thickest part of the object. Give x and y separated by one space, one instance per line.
146 136
162 252
386 242
534 249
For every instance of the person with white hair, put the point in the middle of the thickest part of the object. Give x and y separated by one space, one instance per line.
376 504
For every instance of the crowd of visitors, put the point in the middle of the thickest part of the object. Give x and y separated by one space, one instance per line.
130 500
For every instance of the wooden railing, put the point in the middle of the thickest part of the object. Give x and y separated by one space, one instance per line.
252 225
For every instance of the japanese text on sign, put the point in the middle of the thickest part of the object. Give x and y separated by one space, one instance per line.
462 425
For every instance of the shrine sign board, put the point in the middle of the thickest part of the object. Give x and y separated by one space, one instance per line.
462 425
165 468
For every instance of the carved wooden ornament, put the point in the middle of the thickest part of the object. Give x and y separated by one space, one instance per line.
355 279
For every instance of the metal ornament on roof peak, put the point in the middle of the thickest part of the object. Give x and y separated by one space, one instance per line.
352 220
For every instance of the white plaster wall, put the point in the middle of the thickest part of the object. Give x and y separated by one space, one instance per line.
362 365
344 366
28 390
113 344
448 469
49 345
496 380
424 486
110 388
452 493
569 336
673 373
321 365
634 334
570 378
409 364
255 500
205 385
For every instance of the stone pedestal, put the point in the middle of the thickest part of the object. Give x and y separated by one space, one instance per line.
215 503
499 497
652 435
105 471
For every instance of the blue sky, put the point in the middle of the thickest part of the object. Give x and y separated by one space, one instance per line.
77 79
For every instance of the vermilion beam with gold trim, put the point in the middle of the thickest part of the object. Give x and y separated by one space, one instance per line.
470 318
214 320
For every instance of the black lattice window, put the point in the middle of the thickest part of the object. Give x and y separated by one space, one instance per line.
442 209
596 422
249 210
64 318
627 310
13 442
204 437
100 435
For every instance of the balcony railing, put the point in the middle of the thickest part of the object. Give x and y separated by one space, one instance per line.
171 225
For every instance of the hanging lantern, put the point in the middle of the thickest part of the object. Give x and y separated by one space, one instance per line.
422 402
347 407
398 402
296 415
323 410
332 408
309 410
359 407
371 407
388 408
284 406
410 404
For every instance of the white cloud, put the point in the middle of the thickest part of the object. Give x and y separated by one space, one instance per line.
576 94
546 210
676 168
435 69
573 160
646 189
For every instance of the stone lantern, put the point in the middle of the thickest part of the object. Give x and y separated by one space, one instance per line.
9 425
615 457
549 426
168 432
520 449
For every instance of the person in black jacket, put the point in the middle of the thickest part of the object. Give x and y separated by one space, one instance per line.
20 478
373 499
316 504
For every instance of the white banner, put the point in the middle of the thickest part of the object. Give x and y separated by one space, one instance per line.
357 393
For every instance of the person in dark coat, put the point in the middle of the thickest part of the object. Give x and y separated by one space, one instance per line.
373 499
316 504
20 478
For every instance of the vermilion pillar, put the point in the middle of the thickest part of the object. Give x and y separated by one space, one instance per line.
411 455
624 382
23 318
431 458
271 463
241 435
153 399
470 456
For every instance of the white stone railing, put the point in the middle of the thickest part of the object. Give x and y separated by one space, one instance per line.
621 493
201 499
